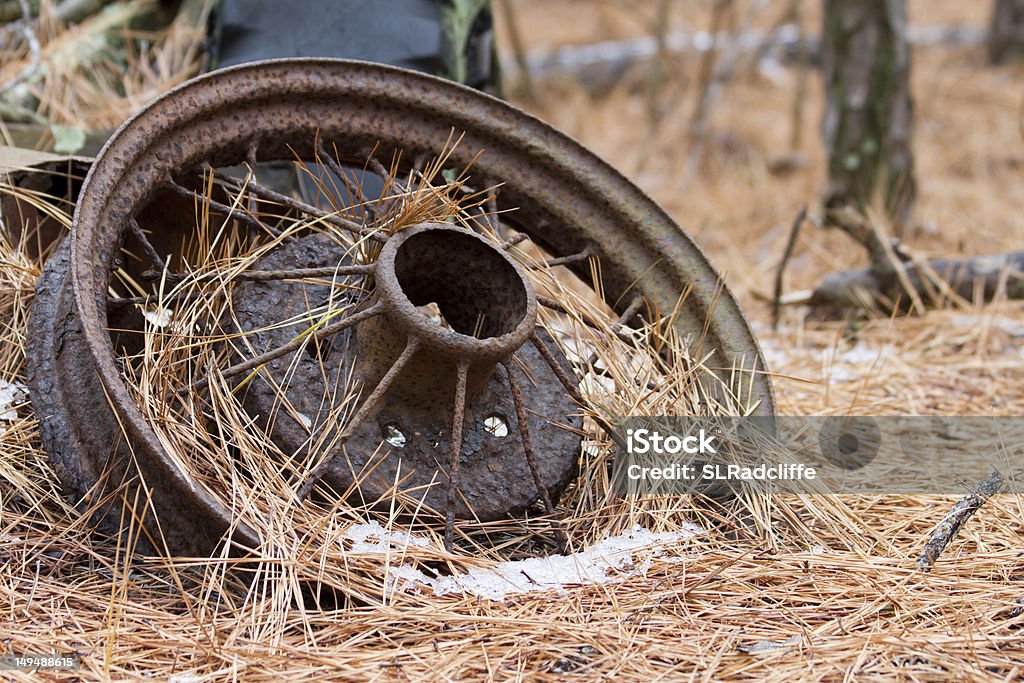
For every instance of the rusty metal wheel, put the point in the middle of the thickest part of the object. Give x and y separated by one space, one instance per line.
481 409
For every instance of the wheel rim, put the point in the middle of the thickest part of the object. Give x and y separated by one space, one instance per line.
567 200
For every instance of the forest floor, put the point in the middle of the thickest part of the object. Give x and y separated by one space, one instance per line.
833 595
739 206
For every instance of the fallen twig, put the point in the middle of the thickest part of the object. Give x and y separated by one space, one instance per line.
946 530
615 56
981 278
801 216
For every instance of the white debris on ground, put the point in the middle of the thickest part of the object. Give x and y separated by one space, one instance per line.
186 678
854 363
777 358
1013 327
371 537
11 394
838 364
613 558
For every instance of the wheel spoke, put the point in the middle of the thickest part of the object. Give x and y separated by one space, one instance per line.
420 162
264 358
591 366
531 456
570 386
411 346
297 205
250 157
355 192
564 260
454 454
548 302
147 246
555 305
492 210
627 315
524 432
219 207
267 275
384 174
514 240
631 311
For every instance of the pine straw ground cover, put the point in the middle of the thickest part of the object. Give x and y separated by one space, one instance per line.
91 74
829 590
815 587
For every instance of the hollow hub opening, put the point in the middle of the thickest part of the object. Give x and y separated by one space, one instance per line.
485 301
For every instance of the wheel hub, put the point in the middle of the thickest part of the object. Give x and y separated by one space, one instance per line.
485 311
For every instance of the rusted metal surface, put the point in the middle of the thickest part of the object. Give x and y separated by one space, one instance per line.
82 436
490 311
564 197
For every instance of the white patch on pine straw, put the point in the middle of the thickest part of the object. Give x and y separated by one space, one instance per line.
612 559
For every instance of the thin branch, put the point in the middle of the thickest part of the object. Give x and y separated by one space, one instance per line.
656 78
713 87
794 231
954 521
796 132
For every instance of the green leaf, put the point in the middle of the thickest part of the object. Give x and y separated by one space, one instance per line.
67 139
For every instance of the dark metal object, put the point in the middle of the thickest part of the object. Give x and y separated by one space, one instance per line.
408 366
432 36
565 198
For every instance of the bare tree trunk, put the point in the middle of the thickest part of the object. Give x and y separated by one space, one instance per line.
1006 30
867 124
